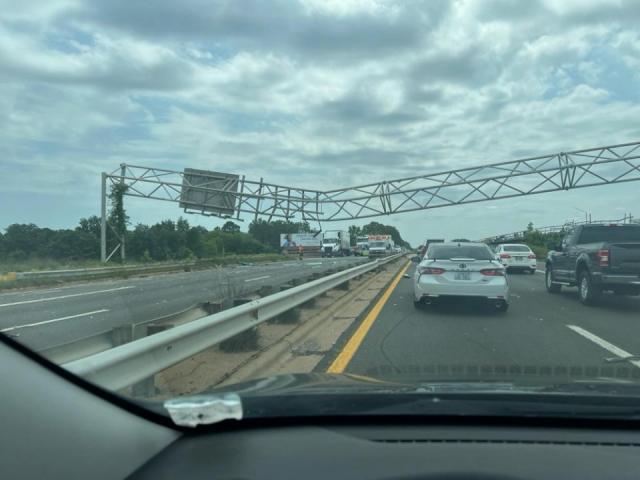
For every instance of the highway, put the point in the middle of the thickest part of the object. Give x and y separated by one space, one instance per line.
43 318
540 330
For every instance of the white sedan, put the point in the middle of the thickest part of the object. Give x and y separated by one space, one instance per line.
463 270
517 256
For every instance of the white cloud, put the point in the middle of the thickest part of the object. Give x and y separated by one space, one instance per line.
319 94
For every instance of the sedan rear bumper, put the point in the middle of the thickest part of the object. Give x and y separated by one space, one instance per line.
494 289
525 264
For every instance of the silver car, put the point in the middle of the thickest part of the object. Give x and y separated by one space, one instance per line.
465 270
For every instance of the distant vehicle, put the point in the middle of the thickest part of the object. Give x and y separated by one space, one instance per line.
336 243
362 245
517 256
596 258
428 242
380 245
461 240
397 249
310 242
468 270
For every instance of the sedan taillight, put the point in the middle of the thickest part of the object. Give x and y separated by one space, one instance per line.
603 257
431 271
505 255
492 272
532 256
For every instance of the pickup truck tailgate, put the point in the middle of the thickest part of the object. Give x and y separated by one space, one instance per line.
624 257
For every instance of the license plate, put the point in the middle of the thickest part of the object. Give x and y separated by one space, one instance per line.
519 259
463 276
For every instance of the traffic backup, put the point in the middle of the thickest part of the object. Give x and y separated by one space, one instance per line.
460 270
596 258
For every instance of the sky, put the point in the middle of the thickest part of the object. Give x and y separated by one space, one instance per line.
313 93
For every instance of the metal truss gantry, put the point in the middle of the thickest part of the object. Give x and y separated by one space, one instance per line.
239 196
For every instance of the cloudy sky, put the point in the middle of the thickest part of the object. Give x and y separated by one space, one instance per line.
315 93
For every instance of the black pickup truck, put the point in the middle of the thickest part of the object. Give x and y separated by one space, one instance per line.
596 258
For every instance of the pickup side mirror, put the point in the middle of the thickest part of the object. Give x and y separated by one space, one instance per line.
416 259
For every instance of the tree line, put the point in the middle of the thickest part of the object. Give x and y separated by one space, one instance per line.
163 241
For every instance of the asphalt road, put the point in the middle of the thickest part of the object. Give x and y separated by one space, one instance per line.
45 318
540 330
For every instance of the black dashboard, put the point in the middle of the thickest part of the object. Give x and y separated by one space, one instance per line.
57 426
400 451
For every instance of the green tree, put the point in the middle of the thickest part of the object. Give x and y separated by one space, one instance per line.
354 232
230 227
90 225
118 218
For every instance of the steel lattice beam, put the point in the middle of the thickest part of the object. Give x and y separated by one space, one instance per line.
549 173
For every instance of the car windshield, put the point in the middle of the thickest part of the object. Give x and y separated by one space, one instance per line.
197 196
516 248
610 234
447 252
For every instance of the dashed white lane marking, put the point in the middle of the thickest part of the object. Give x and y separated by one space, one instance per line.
95 312
540 271
48 299
257 278
603 343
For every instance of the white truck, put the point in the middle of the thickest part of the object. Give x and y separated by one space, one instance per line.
362 245
336 243
380 245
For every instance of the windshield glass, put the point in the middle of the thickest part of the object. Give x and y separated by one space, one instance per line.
516 248
446 252
610 234
198 182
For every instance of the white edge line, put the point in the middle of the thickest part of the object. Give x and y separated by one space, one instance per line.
54 320
603 343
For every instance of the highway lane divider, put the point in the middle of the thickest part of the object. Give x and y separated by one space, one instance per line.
126 365
66 351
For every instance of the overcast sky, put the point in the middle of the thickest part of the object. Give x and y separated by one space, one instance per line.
315 93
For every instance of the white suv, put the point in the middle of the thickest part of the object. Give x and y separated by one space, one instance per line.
517 256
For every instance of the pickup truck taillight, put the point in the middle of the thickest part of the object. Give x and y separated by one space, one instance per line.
505 255
431 271
603 257
531 256
492 272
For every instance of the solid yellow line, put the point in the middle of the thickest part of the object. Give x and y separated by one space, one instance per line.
342 360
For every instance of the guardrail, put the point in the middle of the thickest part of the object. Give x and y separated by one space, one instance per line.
519 235
133 362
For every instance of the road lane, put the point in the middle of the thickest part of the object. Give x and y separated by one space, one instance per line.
533 332
140 299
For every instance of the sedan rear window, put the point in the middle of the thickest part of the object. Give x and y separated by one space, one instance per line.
516 248
445 252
